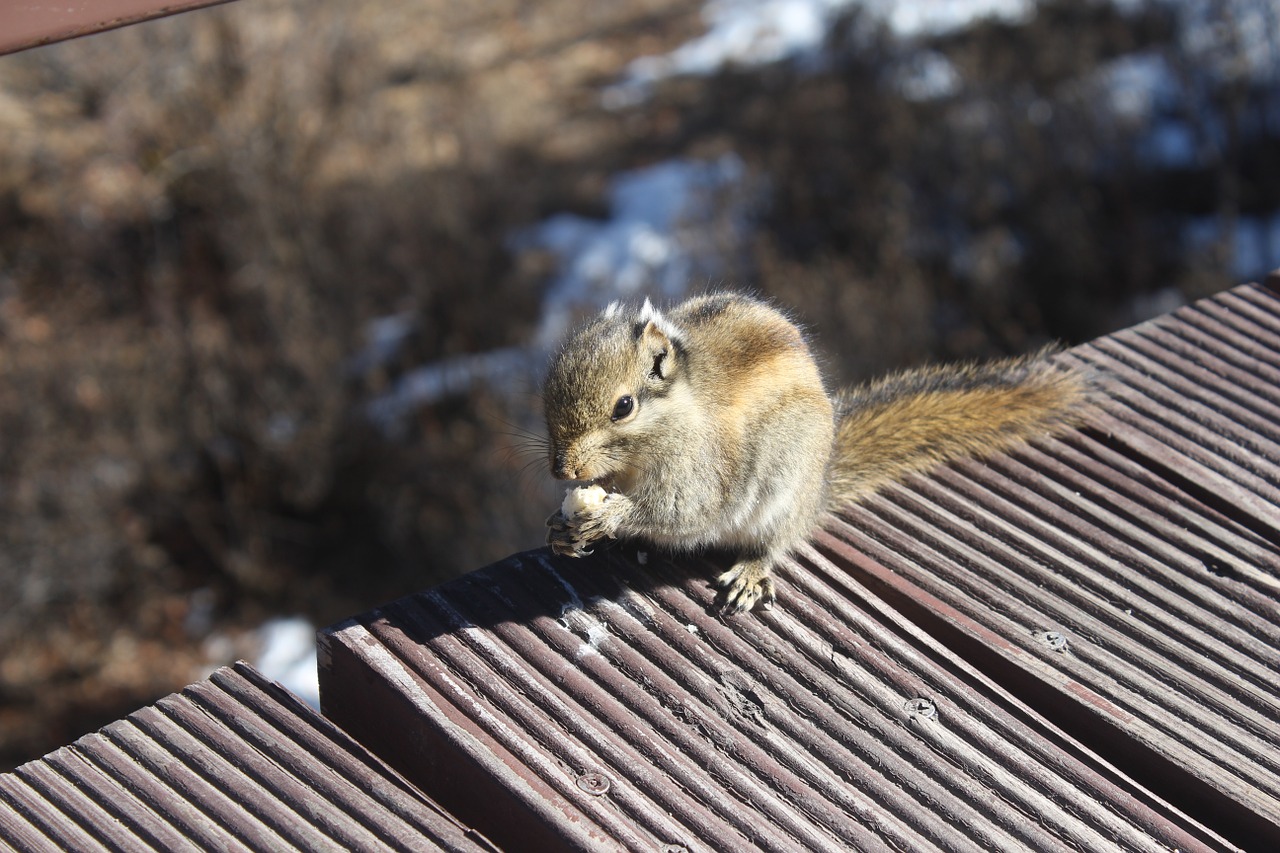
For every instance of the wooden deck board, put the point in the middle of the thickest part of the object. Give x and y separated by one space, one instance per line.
1151 543
1145 543
230 763
1071 646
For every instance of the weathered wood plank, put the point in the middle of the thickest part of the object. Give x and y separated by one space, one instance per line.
231 763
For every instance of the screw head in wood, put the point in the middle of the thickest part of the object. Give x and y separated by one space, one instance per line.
594 783
1055 640
921 709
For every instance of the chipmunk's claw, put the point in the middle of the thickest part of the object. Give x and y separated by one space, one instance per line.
563 537
570 536
746 585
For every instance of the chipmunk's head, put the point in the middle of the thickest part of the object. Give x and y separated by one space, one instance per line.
602 395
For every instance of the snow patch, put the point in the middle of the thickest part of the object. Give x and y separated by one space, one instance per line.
926 75
1137 87
670 226
504 369
287 654
660 237
384 336
665 234
739 32
758 32
1232 39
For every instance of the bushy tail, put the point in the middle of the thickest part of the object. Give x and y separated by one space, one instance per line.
911 421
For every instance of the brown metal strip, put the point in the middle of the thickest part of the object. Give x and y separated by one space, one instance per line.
26 24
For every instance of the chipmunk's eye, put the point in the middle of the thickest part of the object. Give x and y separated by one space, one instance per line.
623 407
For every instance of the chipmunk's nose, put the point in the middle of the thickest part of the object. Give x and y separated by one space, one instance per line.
560 467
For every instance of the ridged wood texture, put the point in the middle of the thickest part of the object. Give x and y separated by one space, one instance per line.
598 713
231 763
1148 543
1072 646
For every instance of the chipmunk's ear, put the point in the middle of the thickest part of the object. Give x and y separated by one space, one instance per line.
657 347
649 314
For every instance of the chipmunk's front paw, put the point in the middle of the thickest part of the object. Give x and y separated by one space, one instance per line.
745 585
588 515
563 537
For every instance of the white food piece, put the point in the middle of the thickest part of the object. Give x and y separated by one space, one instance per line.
582 500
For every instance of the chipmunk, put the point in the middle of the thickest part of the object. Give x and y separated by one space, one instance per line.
710 426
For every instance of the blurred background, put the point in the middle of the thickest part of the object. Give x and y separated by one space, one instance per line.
278 279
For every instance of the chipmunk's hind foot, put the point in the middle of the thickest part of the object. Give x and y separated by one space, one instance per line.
746 585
